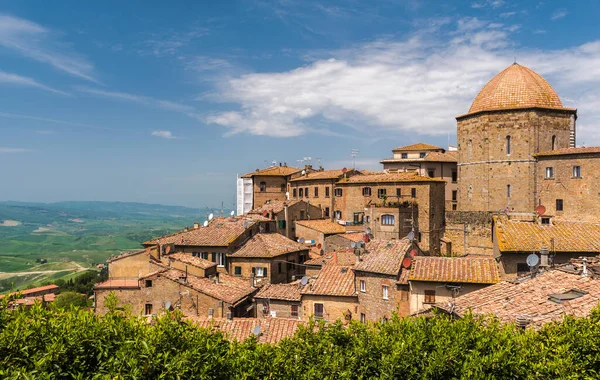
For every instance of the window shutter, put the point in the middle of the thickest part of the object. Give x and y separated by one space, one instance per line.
254 270
265 272
214 257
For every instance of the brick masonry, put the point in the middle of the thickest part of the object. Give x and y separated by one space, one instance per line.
371 302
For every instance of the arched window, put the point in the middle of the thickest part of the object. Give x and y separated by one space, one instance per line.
263 187
387 220
507 144
553 142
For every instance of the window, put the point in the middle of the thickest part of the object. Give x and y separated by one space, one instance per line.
204 255
283 187
306 192
363 318
363 286
280 267
430 296
294 310
301 192
387 220
263 187
237 271
338 192
337 215
148 283
384 290
302 215
454 207
366 191
316 192
404 295
148 309
431 173
507 144
398 192
454 176
259 271
419 237
546 221
413 192
507 191
454 195
294 193
290 265
523 268
327 192
381 193
404 155
422 155
368 219
318 310
553 142
195 254
220 259
549 172
576 171
327 212
559 205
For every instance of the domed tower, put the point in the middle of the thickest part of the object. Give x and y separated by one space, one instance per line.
516 115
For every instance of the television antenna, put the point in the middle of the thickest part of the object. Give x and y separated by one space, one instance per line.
300 162
307 159
354 153
318 161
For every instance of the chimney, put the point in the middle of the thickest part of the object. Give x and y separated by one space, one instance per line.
544 262
584 272
217 278
196 225
252 279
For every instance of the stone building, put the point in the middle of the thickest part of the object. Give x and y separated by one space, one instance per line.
441 279
560 240
427 160
377 275
315 231
567 181
516 115
284 213
279 301
330 296
256 188
394 204
343 241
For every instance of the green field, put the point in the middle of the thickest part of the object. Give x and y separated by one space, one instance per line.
72 236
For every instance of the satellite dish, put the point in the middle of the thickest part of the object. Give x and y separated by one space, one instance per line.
303 172
353 244
232 213
406 263
205 223
344 170
319 246
301 240
210 216
304 280
411 235
532 260
413 253
168 305
540 210
245 225
265 213
256 331
368 230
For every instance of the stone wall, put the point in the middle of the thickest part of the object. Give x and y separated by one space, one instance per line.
132 267
279 269
274 190
334 307
442 294
309 234
277 308
325 202
371 302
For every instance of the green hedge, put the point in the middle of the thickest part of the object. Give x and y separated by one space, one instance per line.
48 343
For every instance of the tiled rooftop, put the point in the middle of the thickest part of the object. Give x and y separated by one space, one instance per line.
417 147
197 262
118 284
480 270
527 237
325 226
220 232
353 236
341 257
529 298
569 151
27 292
273 171
392 177
513 88
430 157
124 255
268 245
272 330
274 206
384 256
332 280
324 174
284 292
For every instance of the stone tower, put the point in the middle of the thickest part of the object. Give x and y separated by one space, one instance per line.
516 115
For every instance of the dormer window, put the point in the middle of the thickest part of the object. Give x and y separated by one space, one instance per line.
404 155
422 155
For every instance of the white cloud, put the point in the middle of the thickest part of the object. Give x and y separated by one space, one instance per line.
18 80
169 43
4 149
36 42
416 85
558 14
163 134
487 3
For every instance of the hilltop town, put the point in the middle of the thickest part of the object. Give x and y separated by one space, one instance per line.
505 223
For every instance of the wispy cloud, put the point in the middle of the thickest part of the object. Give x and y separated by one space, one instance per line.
487 3
203 63
18 80
41 44
163 134
558 14
53 121
6 150
140 99
170 43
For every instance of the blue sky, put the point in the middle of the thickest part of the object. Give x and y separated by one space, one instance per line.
166 102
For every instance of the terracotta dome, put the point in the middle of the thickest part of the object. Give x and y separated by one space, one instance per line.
513 88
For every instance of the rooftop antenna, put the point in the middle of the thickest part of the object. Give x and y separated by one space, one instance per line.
354 153
308 160
515 62
318 161
300 162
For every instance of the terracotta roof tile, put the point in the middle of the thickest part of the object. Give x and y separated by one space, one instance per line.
513 88
522 236
274 206
273 171
284 292
529 298
455 269
268 245
272 330
220 232
27 292
125 254
417 146
118 284
430 157
392 177
197 262
353 236
384 256
317 175
568 151
325 226
332 280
